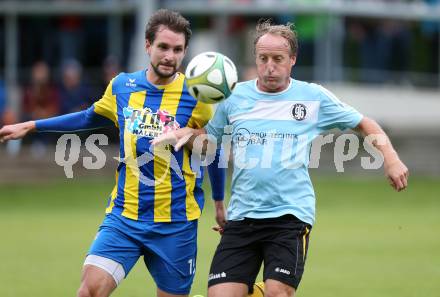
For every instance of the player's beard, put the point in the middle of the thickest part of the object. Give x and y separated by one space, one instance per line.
160 73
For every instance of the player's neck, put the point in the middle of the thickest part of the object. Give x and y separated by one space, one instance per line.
153 78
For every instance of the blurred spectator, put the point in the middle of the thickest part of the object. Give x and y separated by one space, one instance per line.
41 98
38 40
309 29
71 35
384 47
74 95
2 102
430 32
6 115
111 68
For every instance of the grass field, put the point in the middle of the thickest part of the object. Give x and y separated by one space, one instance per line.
367 241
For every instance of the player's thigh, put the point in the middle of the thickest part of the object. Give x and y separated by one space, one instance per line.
285 252
114 251
160 293
228 290
238 256
170 256
95 282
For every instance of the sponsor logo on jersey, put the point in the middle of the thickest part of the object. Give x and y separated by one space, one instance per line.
243 137
282 270
216 276
145 123
131 83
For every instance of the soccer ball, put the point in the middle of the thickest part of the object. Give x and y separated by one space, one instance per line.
211 77
258 290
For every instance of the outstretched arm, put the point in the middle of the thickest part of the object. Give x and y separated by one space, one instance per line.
16 131
198 140
395 171
194 139
72 122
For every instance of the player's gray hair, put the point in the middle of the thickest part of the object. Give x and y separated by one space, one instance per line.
287 31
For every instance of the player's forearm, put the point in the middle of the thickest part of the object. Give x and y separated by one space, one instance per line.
217 177
220 216
220 210
26 128
77 121
369 127
197 142
30 126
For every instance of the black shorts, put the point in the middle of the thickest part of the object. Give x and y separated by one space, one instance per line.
280 243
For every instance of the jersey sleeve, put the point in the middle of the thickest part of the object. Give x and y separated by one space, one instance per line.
217 177
217 124
106 106
334 113
200 116
73 122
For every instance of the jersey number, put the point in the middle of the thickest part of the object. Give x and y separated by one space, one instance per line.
192 266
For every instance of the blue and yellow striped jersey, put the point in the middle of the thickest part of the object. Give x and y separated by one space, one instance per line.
153 183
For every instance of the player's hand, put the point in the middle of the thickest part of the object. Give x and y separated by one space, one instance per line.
16 131
220 217
176 138
397 174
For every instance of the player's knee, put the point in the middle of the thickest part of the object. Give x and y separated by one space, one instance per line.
84 291
277 291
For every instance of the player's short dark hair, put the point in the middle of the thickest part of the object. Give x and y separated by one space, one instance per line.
265 26
170 19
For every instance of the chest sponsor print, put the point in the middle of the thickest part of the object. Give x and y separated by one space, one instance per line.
146 123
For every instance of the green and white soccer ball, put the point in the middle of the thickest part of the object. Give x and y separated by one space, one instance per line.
211 77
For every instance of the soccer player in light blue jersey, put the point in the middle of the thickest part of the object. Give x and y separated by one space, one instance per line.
273 120
153 209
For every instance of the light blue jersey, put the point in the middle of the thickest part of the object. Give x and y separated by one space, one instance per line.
271 139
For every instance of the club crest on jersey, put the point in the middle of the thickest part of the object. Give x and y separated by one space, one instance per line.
145 123
299 111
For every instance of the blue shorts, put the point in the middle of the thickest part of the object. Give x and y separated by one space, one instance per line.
169 249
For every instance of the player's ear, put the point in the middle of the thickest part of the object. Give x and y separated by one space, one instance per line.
292 61
147 46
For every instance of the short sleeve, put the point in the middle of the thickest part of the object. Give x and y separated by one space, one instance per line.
217 124
106 106
335 114
200 116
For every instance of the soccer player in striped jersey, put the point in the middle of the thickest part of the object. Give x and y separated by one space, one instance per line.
154 206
